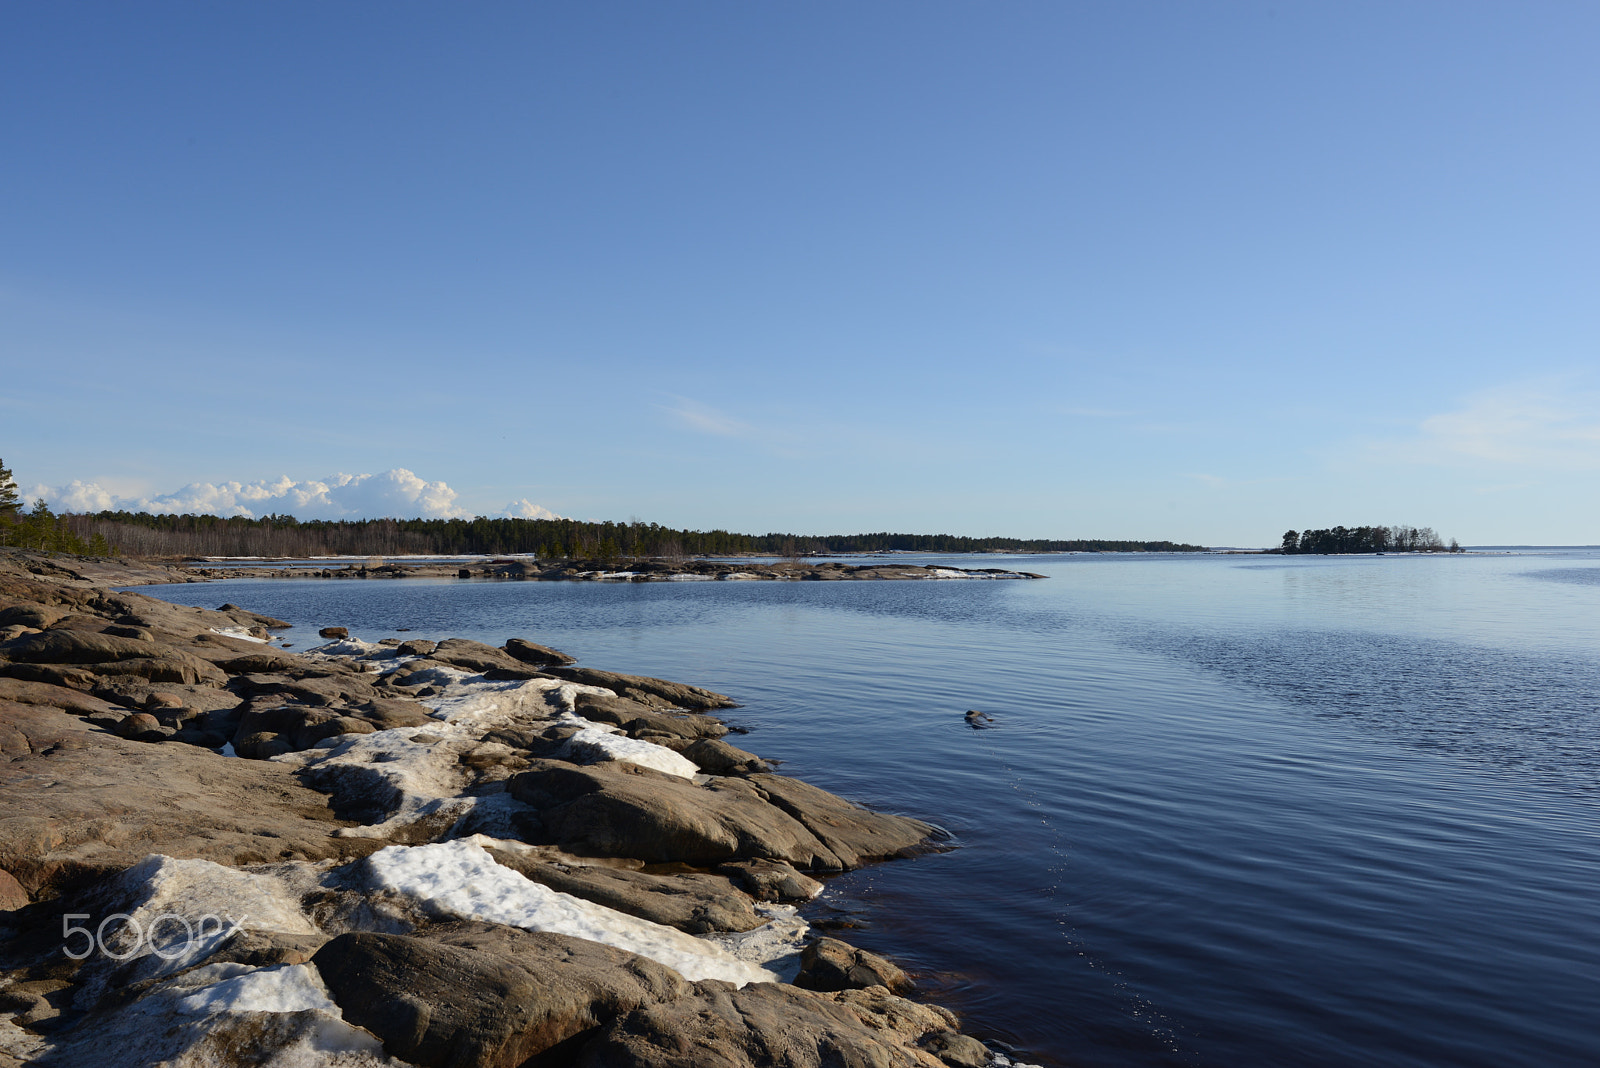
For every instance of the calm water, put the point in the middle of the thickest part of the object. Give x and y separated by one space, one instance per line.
1234 810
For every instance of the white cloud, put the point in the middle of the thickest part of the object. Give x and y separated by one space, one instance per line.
395 493
1529 425
523 508
707 420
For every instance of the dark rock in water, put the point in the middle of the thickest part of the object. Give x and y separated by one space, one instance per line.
771 880
676 693
538 655
691 902
829 964
334 633
479 994
771 1024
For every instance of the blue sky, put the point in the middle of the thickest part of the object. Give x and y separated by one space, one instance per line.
1154 270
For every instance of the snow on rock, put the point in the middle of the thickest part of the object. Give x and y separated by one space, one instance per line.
167 916
239 632
414 775
351 647
228 1016
284 988
177 913
461 880
590 745
775 945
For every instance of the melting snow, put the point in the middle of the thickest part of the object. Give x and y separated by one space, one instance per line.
285 988
460 879
239 632
593 744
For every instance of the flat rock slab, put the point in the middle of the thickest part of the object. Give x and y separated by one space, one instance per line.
80 803
677 694
692 902
623 810
478 995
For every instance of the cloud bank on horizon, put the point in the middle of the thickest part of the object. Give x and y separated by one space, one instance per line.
396 493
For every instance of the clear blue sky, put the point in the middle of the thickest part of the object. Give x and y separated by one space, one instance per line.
1191 271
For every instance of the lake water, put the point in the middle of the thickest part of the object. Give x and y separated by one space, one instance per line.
1233 810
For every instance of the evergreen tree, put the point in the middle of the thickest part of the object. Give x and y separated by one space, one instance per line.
10 503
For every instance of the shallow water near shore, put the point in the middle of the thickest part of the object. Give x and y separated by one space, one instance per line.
1232 810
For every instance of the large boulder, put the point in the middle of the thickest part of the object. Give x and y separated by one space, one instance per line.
829 964
637 719
769 1024
624 810
855 834
169 665
75 647
692 902
535 654
675 694
47 695
478 995
474 656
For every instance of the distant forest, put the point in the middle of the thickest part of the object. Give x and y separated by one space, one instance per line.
1401 539
142 534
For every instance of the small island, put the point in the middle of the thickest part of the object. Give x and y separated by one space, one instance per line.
1337 541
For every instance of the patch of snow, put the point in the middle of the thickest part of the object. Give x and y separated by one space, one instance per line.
284 988
461 880
239 632
591 745
349 647
775 945
179 912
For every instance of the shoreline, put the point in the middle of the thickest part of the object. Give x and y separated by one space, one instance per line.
410 810
522 570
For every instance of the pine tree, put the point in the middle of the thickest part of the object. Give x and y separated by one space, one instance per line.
10 504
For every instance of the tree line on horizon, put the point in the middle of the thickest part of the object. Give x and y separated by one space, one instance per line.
145 534
39 527
1340 540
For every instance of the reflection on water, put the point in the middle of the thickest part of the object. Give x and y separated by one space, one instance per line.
1232 810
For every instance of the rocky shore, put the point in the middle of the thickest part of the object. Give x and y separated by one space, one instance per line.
216 852
653 570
